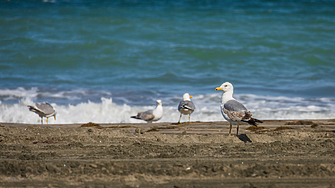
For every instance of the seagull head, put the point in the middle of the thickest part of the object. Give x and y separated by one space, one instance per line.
225 87
186 97
159 102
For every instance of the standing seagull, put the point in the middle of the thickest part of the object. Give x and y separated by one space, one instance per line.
151 115
186 107
232 110
43 110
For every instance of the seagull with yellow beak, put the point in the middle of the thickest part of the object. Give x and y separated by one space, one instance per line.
232 110
186 106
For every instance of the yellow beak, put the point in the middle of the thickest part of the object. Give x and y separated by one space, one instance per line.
218 88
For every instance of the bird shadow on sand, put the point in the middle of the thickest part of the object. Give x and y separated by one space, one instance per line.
244 138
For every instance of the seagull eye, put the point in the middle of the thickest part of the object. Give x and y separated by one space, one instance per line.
225 85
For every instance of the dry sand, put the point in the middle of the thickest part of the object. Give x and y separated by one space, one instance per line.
198 154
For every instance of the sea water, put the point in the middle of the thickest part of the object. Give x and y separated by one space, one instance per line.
104 61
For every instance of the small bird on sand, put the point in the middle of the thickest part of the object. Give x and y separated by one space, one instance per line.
43 110
151 115
232 110
186 107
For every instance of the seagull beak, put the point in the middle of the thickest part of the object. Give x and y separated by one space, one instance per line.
191 97
218 88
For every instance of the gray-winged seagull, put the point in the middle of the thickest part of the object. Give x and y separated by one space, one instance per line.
186 106
151 115
43 110
232 110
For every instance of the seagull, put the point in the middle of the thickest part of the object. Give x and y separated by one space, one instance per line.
186 107
151 115
43 110
232 110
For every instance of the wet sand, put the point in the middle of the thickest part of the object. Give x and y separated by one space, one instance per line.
280 153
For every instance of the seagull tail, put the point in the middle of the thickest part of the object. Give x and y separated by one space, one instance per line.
33 109
254 121
135 117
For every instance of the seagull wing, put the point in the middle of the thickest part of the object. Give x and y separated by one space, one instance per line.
189 105
146 116
46 108
233 105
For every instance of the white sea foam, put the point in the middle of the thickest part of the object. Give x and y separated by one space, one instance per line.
207 109
33 93
20 92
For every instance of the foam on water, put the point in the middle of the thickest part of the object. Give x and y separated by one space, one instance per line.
207 109
34 93
20 92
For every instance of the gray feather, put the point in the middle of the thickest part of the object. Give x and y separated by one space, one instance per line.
46 108
146 116
233 105
186 105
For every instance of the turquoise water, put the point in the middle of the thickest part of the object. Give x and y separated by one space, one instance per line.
135 52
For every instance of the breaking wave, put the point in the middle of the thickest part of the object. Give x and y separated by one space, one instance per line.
207 109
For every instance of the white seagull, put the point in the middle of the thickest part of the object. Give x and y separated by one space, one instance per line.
151 115
186 106
232 110
43 110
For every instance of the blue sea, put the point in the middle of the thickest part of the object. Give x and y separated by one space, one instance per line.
103 61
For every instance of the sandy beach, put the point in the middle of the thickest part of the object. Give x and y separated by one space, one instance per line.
279 153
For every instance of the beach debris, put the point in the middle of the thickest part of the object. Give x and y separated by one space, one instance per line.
93 165
118 127
98 126
282 128
153 129
300 122
165 126
139 130
254 128
90 124
183 133
314 125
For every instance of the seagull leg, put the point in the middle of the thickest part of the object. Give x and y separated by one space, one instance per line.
42 120
230 129
179 119
47 120
238 126
189 118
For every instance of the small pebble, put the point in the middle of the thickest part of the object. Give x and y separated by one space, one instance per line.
139 130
